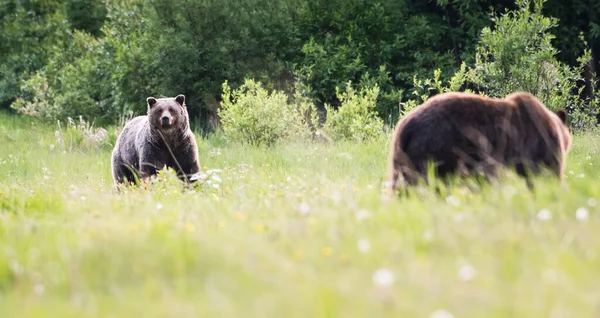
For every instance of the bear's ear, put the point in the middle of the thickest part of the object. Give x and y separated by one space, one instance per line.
180 99
151 101
562 115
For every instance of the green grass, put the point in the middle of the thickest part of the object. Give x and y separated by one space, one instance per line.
280 236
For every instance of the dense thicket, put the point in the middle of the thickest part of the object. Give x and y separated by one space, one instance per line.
101 59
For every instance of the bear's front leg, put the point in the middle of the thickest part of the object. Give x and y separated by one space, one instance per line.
149 165
188 162
190 167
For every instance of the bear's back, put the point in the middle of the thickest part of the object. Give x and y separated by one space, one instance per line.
446 113
132 127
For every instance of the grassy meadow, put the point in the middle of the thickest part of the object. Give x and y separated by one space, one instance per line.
298 230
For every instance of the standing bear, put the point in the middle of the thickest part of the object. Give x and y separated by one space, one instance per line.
148 143
472 134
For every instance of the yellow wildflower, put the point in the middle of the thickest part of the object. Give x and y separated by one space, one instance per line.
190 227
326 251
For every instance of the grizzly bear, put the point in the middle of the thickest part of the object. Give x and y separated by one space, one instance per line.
148 143
468 134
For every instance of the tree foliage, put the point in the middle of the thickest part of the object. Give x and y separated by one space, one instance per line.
517 55
101 59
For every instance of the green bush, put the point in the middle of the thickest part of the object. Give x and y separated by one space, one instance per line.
423 89
30 32
99 79
517 55
70 85
196 45
100 59
250 114
386 41
356 118
40 102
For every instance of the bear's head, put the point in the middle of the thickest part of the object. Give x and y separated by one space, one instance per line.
168 114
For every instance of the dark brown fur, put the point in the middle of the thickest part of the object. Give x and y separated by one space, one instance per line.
468 134
148 143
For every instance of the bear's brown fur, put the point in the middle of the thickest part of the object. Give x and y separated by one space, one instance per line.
148 143
468 133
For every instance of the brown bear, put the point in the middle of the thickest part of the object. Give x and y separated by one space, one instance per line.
464 133
148 143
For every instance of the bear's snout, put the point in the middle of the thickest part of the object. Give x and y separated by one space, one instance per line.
165 120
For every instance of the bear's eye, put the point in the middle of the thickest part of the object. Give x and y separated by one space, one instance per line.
170 109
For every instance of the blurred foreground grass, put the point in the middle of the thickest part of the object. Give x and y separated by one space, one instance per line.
299 230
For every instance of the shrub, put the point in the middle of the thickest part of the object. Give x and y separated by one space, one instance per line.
423 89
582 111
30 31
386 40
250 114
96 78
517 55
356 117
198 44
69 86
40 101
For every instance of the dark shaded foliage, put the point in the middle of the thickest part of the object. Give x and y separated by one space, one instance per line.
101 59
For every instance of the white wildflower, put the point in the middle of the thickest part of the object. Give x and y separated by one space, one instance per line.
38 289
304 208
544 215
215 152
582 214
362 214
550 276
458 217
428 236
509 192
336 197
441 313
364 245
592 202
453 201
383 277
466 272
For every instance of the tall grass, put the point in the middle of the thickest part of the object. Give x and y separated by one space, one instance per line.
294 230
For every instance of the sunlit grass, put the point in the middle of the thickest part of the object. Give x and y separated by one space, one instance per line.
296 230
